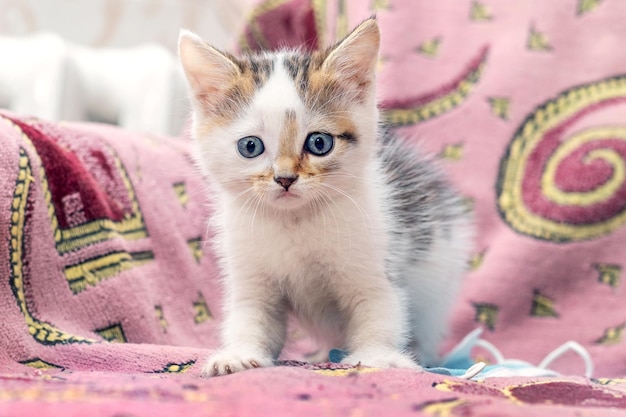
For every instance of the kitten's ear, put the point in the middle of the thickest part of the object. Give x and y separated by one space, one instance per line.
208 71
355 58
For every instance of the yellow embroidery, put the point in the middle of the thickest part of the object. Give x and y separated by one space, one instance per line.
195 245
610 381
380 5
452 152
612 335
439 105
545 118
342 28
93 271
175 368
585 6
500 106
468 204
158 312
113 333
181 193
202 310
346 372
40 364
610 275
131 227
442 408
430 47
610 156
43 332
486 314
476 260
537 41
480 12
542 306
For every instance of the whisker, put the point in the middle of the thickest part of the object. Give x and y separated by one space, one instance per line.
328 199
364 215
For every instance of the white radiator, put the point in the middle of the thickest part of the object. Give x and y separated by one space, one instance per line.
139 88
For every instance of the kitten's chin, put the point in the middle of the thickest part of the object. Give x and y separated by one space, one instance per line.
287 200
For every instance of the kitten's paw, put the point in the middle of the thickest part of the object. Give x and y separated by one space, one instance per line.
226 362
381 358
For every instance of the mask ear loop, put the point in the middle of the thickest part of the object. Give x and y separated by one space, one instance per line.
564 348
550 357
473 370
489 347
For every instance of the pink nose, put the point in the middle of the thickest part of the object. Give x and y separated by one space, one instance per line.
285 182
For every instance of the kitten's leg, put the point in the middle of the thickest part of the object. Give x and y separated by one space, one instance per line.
429 329
376 331
432 293
253 332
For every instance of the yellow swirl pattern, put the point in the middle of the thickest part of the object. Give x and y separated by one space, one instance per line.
514 165
437 106
599 194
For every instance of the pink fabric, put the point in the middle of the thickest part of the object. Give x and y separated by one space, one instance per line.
526 104
296 390
105 230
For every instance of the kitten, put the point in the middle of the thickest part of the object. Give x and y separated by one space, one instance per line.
320 211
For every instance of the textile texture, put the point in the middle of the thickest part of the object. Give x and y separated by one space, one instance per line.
109 294
103 240
525 104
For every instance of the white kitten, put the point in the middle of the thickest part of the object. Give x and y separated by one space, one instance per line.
320 211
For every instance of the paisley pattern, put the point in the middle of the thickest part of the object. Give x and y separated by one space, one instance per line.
562 182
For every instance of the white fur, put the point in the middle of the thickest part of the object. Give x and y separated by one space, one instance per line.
321 253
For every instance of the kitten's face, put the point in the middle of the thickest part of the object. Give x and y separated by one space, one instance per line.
287 129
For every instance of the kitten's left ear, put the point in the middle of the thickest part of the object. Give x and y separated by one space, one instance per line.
355 58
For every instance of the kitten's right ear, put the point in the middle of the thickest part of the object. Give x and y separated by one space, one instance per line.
355 57
208 71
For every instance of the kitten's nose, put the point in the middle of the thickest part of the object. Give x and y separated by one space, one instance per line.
286 182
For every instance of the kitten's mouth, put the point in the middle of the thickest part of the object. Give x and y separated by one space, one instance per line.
286 195
287 199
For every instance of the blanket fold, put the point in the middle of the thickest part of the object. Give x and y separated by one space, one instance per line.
105 245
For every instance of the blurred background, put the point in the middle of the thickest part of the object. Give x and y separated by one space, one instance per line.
108 61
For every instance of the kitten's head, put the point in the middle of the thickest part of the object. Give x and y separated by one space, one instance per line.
288 129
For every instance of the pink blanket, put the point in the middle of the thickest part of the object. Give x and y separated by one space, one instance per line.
525 102
109 297
294 391
103 240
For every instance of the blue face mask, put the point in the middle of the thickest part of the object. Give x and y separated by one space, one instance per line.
459 362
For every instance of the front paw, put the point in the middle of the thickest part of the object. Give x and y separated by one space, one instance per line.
381 358
226 362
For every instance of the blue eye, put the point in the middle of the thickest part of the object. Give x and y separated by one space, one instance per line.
250 147
319 143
